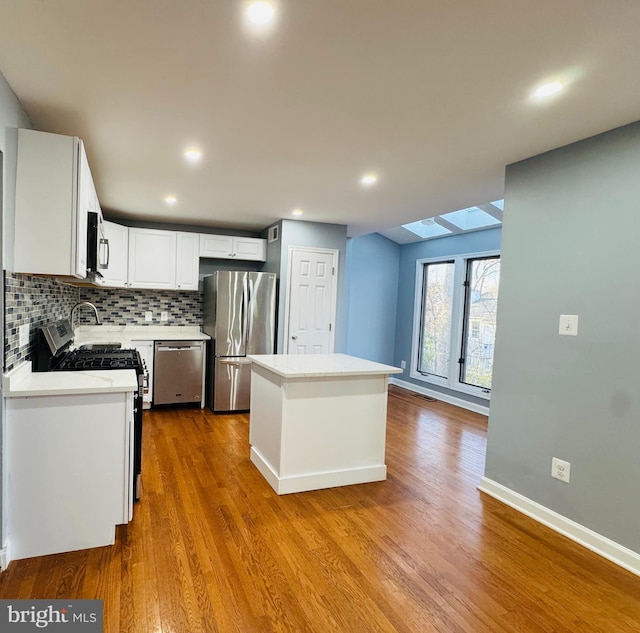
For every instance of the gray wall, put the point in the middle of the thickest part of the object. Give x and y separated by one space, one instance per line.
477 242
316 235
570 244
371 292
12 117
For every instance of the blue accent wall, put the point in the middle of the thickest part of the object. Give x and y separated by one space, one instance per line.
479 241
371 297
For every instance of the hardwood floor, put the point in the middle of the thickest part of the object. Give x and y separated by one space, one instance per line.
213 548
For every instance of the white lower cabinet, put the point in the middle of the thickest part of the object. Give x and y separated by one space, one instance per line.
146 354
69 471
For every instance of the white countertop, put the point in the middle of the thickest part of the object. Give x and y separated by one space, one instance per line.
23 382
124 334
320 365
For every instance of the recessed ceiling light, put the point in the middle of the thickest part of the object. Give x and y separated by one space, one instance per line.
368 179
260 13
548 89
297 212
170 200
192 154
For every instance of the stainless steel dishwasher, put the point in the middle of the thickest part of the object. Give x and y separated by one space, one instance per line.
177 376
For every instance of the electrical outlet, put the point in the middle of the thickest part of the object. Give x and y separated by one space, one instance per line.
148 316
403 364
164 316
561 470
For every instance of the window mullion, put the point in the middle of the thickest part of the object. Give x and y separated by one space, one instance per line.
456 326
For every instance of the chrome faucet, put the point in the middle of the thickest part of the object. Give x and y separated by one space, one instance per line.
79 305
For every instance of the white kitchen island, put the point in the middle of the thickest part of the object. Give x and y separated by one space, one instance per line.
318 420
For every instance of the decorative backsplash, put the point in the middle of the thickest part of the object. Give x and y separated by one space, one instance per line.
39 300
123 306
32 300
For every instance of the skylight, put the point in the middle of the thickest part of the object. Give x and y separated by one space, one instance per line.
485 216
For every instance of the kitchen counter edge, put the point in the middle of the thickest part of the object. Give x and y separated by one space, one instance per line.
320 365
22 382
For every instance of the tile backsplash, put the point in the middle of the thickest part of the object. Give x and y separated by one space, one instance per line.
38 300
123 306
32 300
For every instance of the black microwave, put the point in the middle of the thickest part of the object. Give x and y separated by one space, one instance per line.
97 245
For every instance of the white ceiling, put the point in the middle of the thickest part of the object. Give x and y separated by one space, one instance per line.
433 95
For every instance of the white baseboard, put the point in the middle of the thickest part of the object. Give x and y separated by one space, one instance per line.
616 553
316 481
458 402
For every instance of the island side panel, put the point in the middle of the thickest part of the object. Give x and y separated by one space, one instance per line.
334 431
265 423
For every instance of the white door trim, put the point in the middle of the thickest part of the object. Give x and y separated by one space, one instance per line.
334 294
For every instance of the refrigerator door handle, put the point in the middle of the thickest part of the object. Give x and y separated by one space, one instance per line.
245 314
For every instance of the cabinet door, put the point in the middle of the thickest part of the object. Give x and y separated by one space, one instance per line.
250 248
146 354
52 196
187 260
87 200
115 276
219 246
152 259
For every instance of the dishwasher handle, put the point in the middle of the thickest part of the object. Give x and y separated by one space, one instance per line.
180 348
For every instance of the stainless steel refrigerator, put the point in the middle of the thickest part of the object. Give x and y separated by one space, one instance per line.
240 316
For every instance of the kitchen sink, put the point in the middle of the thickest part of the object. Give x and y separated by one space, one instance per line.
100 346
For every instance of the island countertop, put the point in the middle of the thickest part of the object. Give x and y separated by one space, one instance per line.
320 365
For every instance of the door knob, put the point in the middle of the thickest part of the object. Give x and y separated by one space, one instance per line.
295 338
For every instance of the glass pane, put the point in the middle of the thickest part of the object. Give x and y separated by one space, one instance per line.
426 228
480 321
435 349
472 218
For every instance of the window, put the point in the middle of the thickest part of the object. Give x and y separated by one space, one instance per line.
435 350
481 299
455 328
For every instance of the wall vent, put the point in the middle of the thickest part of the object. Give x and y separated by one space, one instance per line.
274 233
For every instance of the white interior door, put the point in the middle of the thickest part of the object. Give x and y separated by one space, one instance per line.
311 301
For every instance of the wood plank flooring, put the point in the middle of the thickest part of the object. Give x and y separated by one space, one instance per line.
213 548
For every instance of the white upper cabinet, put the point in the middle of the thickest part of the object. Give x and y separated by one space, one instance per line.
54 192
230 247
187 260
152 259
115 276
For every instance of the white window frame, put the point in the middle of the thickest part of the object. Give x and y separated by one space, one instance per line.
455 344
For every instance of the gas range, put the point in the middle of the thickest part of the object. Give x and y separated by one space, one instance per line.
78 360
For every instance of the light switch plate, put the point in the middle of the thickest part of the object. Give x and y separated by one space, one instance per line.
568 325
164 316
148 316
